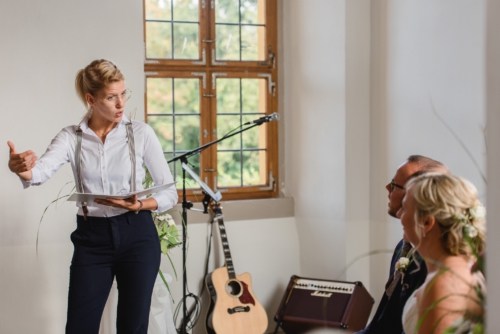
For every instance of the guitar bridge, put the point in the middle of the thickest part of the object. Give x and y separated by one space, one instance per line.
238 309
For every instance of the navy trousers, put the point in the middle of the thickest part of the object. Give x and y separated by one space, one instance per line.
125 247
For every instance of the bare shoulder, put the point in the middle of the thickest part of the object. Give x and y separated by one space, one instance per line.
447 295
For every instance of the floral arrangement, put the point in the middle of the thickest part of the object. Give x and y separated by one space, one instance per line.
477 212
167 232
169 238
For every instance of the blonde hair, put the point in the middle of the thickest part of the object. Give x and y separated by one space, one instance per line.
95 77
450 200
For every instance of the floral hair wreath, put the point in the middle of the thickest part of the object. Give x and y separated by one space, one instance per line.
477 212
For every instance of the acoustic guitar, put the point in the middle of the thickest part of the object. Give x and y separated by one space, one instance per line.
233 306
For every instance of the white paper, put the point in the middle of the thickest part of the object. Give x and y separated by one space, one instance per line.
87 197
217 197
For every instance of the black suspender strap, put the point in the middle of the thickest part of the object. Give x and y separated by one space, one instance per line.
131 150
78 165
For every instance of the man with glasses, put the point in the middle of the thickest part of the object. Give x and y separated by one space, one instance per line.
387 319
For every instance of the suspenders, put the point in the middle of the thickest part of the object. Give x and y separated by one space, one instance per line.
78 162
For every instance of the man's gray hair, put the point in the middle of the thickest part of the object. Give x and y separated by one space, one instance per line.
427 165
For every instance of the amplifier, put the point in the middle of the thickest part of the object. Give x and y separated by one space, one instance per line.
315 303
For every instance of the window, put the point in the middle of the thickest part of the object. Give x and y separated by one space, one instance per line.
211 67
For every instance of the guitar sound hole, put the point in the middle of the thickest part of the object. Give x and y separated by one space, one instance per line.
234 288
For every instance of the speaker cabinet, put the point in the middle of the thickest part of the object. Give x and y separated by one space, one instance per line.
310 303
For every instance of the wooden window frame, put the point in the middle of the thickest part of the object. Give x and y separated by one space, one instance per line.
266 69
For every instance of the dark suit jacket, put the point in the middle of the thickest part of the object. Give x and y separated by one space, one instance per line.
387 319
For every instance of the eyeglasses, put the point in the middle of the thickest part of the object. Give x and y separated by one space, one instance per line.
395 185
127 93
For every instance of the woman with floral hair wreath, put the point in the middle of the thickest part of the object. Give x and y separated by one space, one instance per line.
443 219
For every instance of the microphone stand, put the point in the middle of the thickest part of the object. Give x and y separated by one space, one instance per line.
188 205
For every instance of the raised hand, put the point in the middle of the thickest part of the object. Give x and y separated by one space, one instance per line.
21 163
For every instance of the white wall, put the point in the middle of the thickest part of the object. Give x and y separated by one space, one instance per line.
314 91
43 46
493 112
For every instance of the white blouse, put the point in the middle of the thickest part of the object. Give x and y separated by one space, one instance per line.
106 166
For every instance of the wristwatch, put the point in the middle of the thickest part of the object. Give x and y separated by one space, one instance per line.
140 207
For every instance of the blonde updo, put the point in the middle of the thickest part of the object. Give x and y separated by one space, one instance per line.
452 201
95 77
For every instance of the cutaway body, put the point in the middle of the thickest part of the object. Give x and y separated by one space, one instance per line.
233 306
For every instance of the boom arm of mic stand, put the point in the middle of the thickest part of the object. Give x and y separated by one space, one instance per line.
183 157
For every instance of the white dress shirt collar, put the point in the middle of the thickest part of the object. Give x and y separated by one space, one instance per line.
84 123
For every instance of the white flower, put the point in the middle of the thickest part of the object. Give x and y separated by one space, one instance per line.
471 231
478 212
402 263
166 218
170 221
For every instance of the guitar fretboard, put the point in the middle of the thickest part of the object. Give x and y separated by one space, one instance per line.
225 246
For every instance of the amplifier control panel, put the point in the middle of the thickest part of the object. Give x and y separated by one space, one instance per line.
324 286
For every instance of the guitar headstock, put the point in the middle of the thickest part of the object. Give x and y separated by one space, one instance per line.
215 206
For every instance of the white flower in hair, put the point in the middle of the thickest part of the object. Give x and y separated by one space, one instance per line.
478 211
471 231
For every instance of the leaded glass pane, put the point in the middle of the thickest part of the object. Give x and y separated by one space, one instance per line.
228 42
159 96
158 40
158 10
226 123
228 96
252 163
254 94
252 42
187 96
186 10
228 169
186 41
227 11
187 132
255 137
163 127
253 11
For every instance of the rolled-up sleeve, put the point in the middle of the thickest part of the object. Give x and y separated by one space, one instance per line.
155 161
54 157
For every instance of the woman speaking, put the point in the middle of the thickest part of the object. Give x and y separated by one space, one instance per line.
114 238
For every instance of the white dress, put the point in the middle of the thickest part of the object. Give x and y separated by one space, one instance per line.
410 314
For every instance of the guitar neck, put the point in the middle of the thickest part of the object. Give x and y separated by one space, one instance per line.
225 245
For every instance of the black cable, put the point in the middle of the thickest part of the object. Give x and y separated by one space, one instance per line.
194 312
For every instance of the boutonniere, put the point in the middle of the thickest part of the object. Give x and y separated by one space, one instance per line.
401 266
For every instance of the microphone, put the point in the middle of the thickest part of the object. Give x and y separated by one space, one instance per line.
268 118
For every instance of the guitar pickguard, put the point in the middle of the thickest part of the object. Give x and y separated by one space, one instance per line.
246 297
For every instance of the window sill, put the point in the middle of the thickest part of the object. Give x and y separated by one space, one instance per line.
251 209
